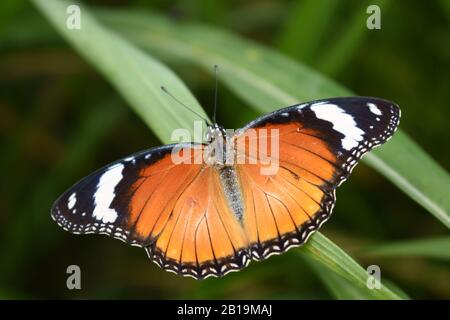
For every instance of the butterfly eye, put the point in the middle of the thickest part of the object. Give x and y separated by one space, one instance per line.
209 135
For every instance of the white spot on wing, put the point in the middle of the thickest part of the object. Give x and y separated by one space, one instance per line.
374 109
105 194
130 159
301 106
72 201
342 122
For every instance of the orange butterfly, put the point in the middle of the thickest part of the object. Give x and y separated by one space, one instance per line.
216 210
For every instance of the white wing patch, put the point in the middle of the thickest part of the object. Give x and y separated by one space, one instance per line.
342 122
72 201
105 194
374 109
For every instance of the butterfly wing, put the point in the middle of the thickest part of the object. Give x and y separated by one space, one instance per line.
181 213
319 143
175 210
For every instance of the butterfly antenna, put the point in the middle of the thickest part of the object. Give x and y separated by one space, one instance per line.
216 71
181 103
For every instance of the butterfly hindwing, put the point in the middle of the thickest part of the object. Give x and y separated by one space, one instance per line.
202 237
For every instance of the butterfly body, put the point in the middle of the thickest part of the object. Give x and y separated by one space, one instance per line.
238 197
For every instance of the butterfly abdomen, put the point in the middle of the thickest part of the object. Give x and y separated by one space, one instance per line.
232 190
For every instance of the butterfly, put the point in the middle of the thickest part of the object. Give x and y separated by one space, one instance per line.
206 216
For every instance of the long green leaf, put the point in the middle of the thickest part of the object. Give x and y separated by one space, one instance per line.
137 76
339 287
436 248
296 38
92 44
251 71
321 249
341 52
268 81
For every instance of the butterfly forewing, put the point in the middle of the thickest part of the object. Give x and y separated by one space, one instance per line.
109 200
319 144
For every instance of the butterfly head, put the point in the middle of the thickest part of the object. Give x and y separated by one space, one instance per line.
214 133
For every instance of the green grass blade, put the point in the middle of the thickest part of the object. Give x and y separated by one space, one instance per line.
436 248
137 76
321 249
298 38
246 67
339 287
268 81
341 52
404 163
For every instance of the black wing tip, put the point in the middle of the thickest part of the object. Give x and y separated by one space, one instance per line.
356 98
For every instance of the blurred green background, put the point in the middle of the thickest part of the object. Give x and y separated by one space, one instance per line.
60 120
